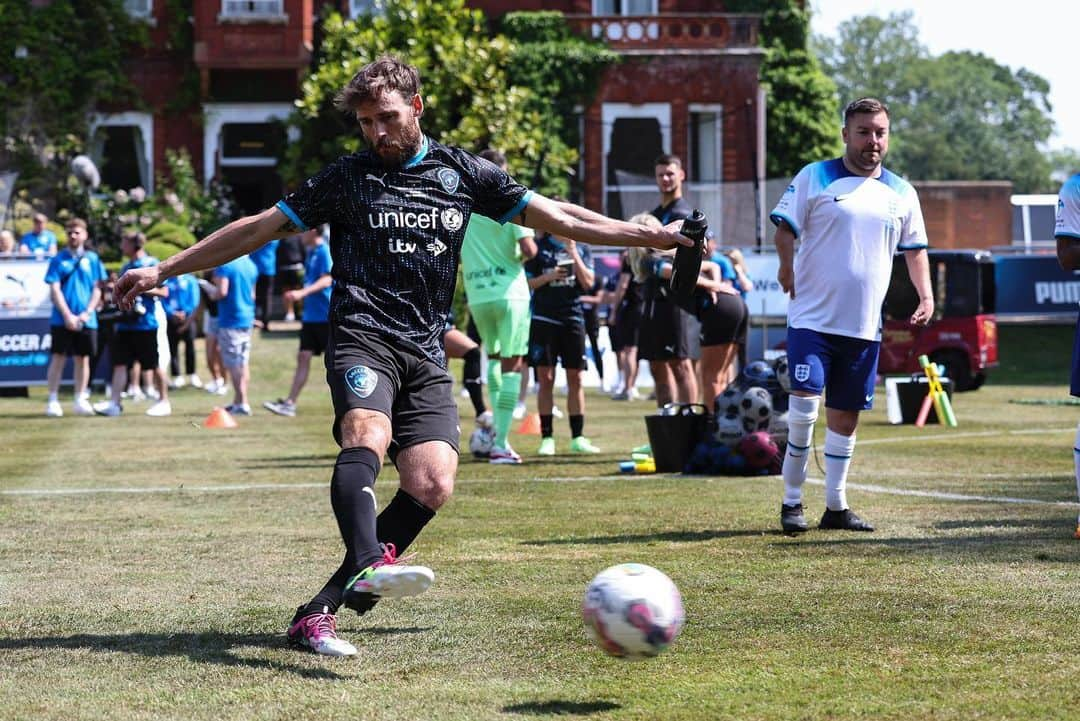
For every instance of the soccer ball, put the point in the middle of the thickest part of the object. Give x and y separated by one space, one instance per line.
632 611
782 374
727 403
759 450
759 373
481 442
729 430
778 428
756 405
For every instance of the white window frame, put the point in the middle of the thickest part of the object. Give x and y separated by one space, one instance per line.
262 11
145 123
609 112
622 11
716 216
375 7
145 11
218 115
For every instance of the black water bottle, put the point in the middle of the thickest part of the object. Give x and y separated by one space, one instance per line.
687 265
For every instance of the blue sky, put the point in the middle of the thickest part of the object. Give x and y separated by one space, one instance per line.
1035 34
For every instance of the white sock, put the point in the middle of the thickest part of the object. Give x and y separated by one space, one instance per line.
802 414
1076 464
838 451
54 397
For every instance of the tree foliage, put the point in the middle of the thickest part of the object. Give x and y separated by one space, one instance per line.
479 89
956 116
801 104
60 61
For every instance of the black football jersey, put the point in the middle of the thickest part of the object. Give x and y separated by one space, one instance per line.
396 234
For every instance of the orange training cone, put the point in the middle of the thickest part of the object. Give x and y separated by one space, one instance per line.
530 426
219 418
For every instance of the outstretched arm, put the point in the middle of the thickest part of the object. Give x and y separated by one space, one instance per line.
235 239
573 221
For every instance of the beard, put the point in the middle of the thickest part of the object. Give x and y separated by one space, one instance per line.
395 153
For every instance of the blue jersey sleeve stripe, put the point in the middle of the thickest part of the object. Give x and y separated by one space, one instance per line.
1067 234
912 246
291 215
777 217
520 206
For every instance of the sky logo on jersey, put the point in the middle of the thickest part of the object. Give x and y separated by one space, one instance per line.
448 179
437 248
361 380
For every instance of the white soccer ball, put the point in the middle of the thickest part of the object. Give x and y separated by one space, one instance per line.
481 442
778 428
632 611
756 405
729 430
782 374
727 403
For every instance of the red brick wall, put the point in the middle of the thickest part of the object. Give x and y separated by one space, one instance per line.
966 214
680 81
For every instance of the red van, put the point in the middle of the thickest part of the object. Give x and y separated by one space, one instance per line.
963 335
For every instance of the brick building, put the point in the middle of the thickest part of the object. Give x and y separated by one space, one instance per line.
688 84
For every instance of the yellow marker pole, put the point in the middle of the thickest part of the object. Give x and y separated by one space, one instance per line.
940 398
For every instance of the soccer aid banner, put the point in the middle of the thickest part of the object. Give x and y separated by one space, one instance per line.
1034 287
25 308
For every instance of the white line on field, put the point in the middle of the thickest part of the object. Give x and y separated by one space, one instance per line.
946 435
231 488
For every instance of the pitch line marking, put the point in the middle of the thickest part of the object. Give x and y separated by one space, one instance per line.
232 488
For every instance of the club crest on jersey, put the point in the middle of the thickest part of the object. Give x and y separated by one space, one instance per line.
802 372
361 380
452 219
448 179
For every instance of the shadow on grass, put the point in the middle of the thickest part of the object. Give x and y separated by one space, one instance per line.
560 708
210 648
1055 543
667 537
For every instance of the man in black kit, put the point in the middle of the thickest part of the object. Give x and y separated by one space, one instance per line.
397 215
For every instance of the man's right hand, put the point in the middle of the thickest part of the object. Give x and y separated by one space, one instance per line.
785 275
134 283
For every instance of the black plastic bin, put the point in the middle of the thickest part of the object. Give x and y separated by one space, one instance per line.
673 437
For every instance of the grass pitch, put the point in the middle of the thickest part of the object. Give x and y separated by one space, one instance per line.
148 568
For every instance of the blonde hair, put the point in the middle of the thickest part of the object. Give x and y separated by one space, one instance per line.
638 257
736 256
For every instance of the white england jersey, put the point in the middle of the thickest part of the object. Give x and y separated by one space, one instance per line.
1068 209
849 227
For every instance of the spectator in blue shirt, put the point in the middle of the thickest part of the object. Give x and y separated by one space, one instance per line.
40 240
180 307
136 337
74 277
265 259
234 291
315 327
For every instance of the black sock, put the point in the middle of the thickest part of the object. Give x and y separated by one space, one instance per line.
547 427
471 379
353 500
354 506
577 425
402 520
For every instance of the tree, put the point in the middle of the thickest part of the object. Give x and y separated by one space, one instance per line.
479 90
957 116
59 62
801 106
871 56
